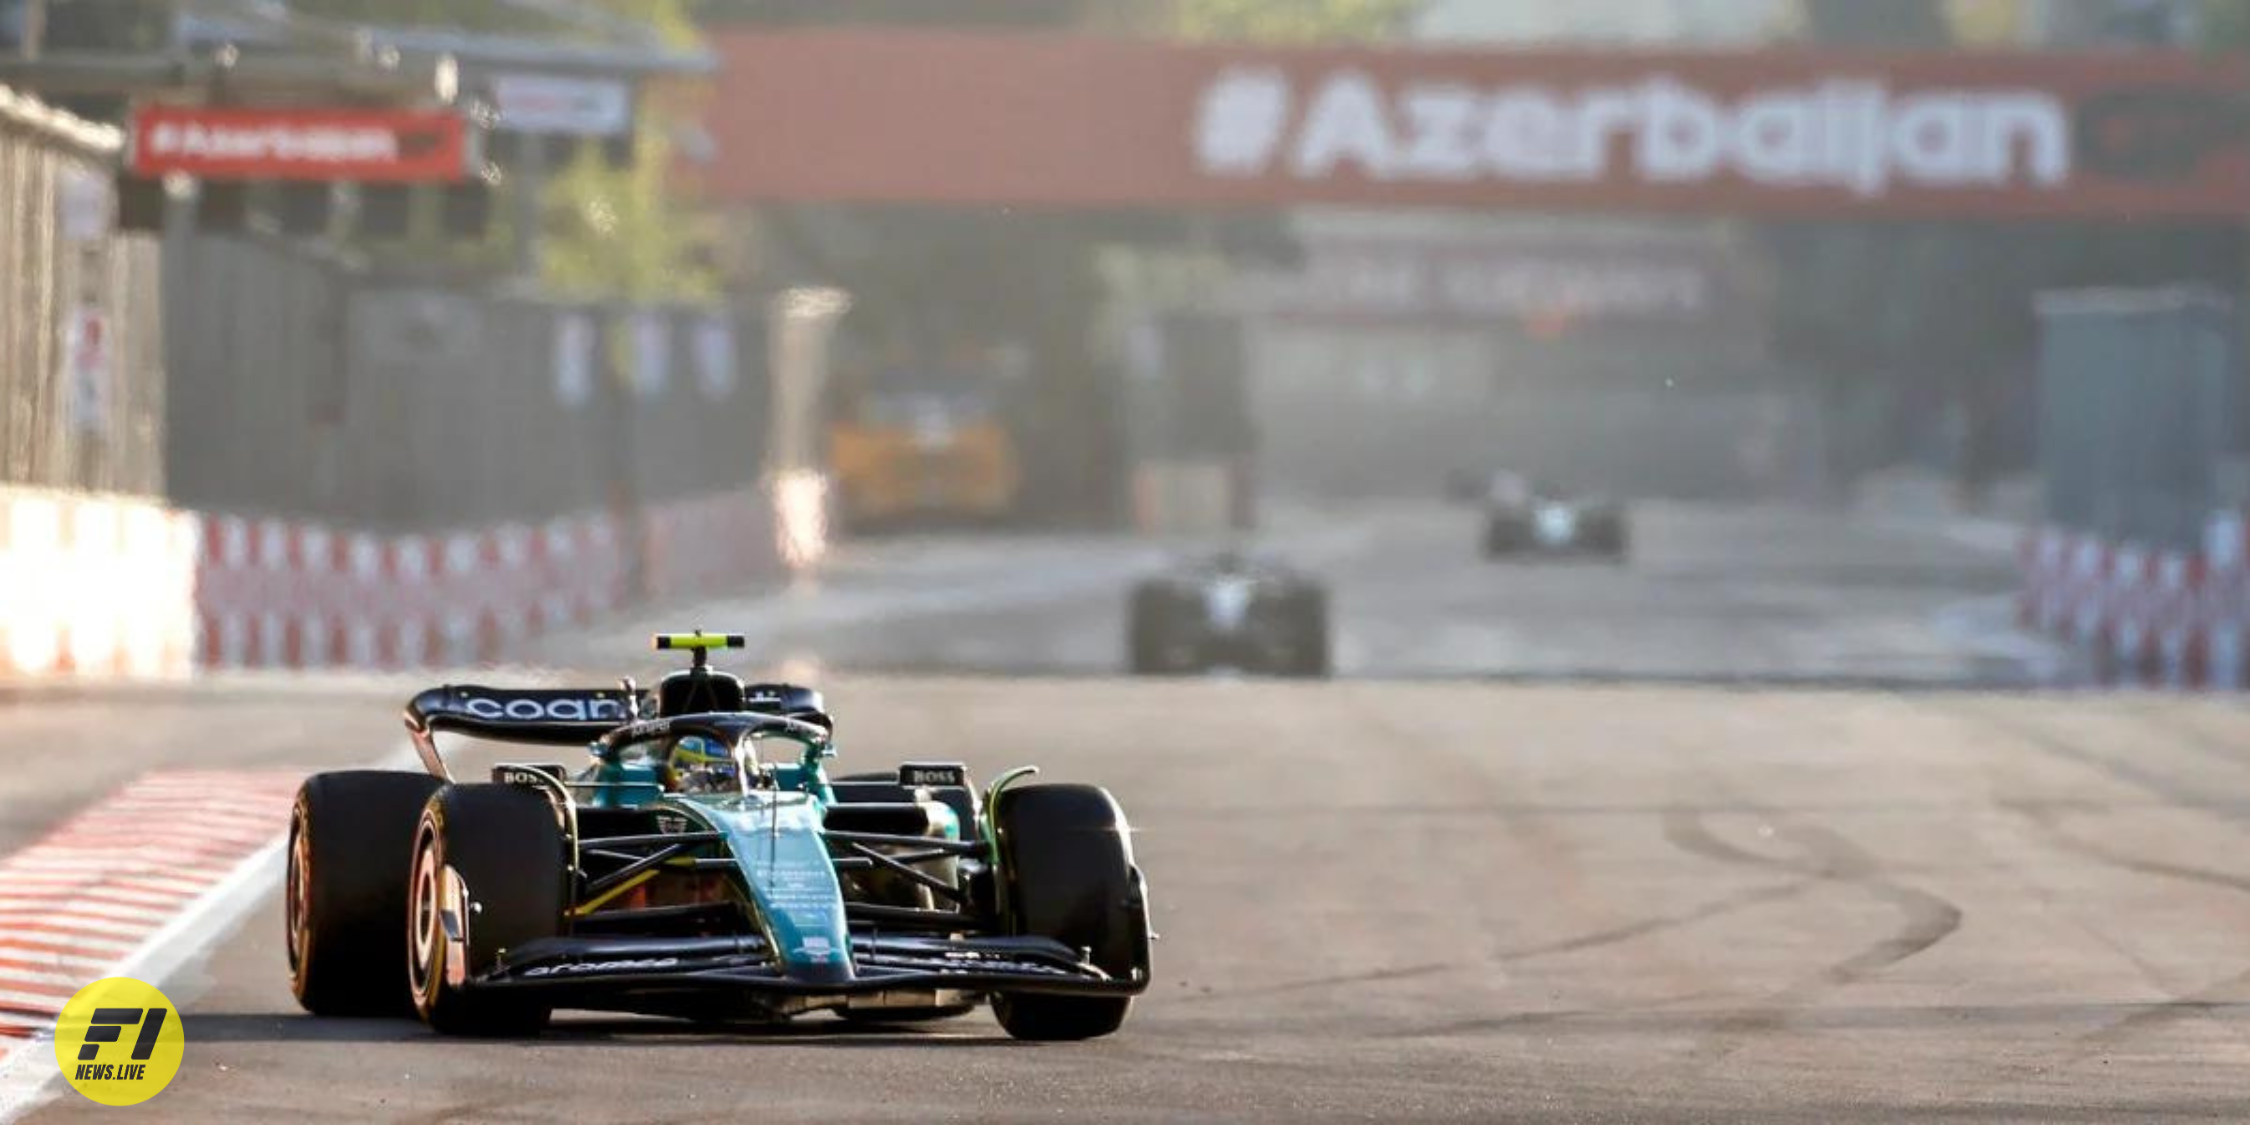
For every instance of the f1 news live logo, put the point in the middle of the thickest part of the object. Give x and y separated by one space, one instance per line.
119 1041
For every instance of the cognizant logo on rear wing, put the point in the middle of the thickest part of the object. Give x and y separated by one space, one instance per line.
563 708
552 716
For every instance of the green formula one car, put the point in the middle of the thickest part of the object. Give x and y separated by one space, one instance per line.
705 866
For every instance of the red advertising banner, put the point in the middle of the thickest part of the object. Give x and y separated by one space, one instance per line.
364 145
1075 121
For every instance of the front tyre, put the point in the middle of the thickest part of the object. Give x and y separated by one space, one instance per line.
1504 536
1620 540
350 836
488 876
1067 855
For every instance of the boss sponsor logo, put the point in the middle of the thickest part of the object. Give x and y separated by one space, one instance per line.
1858 136
915 775
566 709
581 968
534 777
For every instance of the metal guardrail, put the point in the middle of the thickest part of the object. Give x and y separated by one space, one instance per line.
81 369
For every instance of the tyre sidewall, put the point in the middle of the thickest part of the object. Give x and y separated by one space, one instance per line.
498 840
350 847
1066 855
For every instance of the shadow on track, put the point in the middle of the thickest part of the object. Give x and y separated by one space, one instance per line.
601 1031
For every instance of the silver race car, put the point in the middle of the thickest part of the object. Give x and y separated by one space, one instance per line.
1522 517
1229 611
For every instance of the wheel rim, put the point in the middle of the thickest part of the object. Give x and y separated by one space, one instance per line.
298 893
425 933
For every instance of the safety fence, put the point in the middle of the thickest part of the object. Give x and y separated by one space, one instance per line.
2144 558
304 389
109 586
81 368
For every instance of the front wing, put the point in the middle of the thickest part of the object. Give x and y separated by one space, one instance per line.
602 971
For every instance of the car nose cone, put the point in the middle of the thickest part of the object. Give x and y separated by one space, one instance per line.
1556 525
1226 603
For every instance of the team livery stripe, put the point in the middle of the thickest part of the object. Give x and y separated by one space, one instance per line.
75 904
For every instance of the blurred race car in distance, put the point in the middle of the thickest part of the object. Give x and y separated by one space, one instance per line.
685 872
1522 516
1229 610
916 444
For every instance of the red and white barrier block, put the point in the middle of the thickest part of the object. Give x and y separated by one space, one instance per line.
94 584
277 594
99 585
2171 618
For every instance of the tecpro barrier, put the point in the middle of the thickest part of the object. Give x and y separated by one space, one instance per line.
113 586
2155 616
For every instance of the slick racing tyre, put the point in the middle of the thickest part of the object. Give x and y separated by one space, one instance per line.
1615 540
1308 646
344 907
1503 537
488 877
1148 624
1068 860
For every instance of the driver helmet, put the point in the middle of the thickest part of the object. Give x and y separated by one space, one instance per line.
698 764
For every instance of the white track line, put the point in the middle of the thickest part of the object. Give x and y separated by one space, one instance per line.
29 1068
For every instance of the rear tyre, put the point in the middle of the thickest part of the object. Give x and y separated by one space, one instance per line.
507 851
351 838
1620 541
1068 859
1147 648
1309 651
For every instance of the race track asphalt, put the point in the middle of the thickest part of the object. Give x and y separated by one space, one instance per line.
1704 892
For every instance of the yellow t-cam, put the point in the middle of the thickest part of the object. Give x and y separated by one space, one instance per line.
699 641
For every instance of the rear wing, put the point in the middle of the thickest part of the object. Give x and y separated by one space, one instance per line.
547 716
